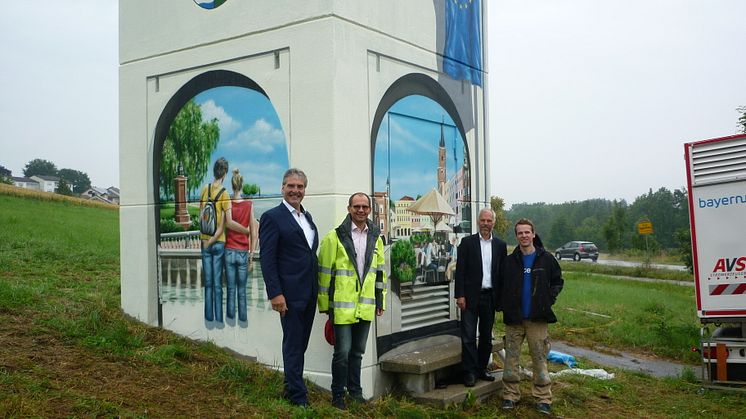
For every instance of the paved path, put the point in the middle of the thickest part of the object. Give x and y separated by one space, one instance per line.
654 367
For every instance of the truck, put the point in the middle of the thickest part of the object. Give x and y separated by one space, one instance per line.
716 184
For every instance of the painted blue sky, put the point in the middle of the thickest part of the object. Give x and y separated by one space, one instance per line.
414 147
251 137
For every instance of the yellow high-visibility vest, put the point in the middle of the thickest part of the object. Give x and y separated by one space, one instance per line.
352 298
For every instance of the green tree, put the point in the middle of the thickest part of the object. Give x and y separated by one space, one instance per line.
41 167
190 141
742 118
502 224
561 232
63 188
616 228
6 175
684 238
79 180
251 189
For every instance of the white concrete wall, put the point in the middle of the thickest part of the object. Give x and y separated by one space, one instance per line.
337 59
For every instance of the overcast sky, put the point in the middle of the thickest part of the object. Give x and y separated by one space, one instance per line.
588 98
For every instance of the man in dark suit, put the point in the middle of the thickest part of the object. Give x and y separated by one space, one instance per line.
478 264
288 240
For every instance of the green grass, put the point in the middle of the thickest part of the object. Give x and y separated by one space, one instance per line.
59 291
655 318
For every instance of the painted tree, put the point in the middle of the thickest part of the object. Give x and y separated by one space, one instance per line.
77 179
742 118
40 167
190 141
251 189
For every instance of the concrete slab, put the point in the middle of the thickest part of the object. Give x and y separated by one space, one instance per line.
457 393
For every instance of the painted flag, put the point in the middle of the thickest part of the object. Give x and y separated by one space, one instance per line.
462 54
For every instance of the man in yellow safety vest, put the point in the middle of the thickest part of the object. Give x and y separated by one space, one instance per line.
352 290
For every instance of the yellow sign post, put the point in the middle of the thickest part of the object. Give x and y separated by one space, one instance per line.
645 227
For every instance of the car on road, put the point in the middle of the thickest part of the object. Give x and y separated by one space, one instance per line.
577 250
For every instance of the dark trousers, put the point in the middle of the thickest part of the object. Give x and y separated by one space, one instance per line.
474 358
349 348
296 331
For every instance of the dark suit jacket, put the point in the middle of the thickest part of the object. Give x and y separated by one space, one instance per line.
469 268
289 266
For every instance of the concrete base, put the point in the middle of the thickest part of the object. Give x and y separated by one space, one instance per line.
457 393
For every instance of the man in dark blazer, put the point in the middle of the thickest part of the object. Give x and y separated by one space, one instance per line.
288 240
478 264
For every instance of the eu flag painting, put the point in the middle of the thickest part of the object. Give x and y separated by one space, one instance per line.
462 54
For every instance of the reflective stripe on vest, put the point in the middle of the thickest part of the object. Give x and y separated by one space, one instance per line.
364 300
342 304
345 272
325 270
324 290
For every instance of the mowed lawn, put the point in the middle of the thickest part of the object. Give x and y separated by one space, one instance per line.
66 350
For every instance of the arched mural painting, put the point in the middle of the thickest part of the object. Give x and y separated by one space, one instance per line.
218 114
419 150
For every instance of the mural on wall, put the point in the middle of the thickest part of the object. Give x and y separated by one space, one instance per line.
421 189
240 128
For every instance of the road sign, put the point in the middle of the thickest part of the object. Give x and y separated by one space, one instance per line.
645 227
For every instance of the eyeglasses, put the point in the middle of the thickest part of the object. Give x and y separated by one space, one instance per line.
361 207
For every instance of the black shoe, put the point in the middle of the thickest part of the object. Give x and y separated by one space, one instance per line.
485 376
339 402
544 408
469 380
358 398
508 405
303 404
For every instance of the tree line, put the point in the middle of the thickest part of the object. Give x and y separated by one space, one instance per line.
611 224
71 181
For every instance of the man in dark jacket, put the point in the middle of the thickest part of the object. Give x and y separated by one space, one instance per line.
531 282
478 264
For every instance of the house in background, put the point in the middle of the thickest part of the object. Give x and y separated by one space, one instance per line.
47 183
26 183
109 195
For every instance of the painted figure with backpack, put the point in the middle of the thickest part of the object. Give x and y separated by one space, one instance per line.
215 215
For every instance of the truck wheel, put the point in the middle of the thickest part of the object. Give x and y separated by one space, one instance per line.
558 256
576 258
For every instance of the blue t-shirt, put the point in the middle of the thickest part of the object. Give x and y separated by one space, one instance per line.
528 262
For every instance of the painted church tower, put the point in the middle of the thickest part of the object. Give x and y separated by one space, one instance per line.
442 162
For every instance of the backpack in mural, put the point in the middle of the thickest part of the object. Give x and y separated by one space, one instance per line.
208 215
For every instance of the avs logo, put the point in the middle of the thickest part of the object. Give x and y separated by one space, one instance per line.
727 265
729 268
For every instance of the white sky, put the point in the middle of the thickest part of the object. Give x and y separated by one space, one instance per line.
595 98
588 98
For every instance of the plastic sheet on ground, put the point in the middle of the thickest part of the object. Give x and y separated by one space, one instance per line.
562 358
599 373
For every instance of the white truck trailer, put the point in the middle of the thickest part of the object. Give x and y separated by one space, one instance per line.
716 181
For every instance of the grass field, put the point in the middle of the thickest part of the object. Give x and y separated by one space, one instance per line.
66 350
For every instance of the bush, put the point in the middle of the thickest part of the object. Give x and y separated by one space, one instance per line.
402 261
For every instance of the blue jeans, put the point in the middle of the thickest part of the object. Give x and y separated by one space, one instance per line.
212 269
349 348
236 272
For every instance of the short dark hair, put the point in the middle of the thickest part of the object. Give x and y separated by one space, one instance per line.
524 221
294 172
349 201
220 168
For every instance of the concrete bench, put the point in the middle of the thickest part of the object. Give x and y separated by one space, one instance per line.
419 364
